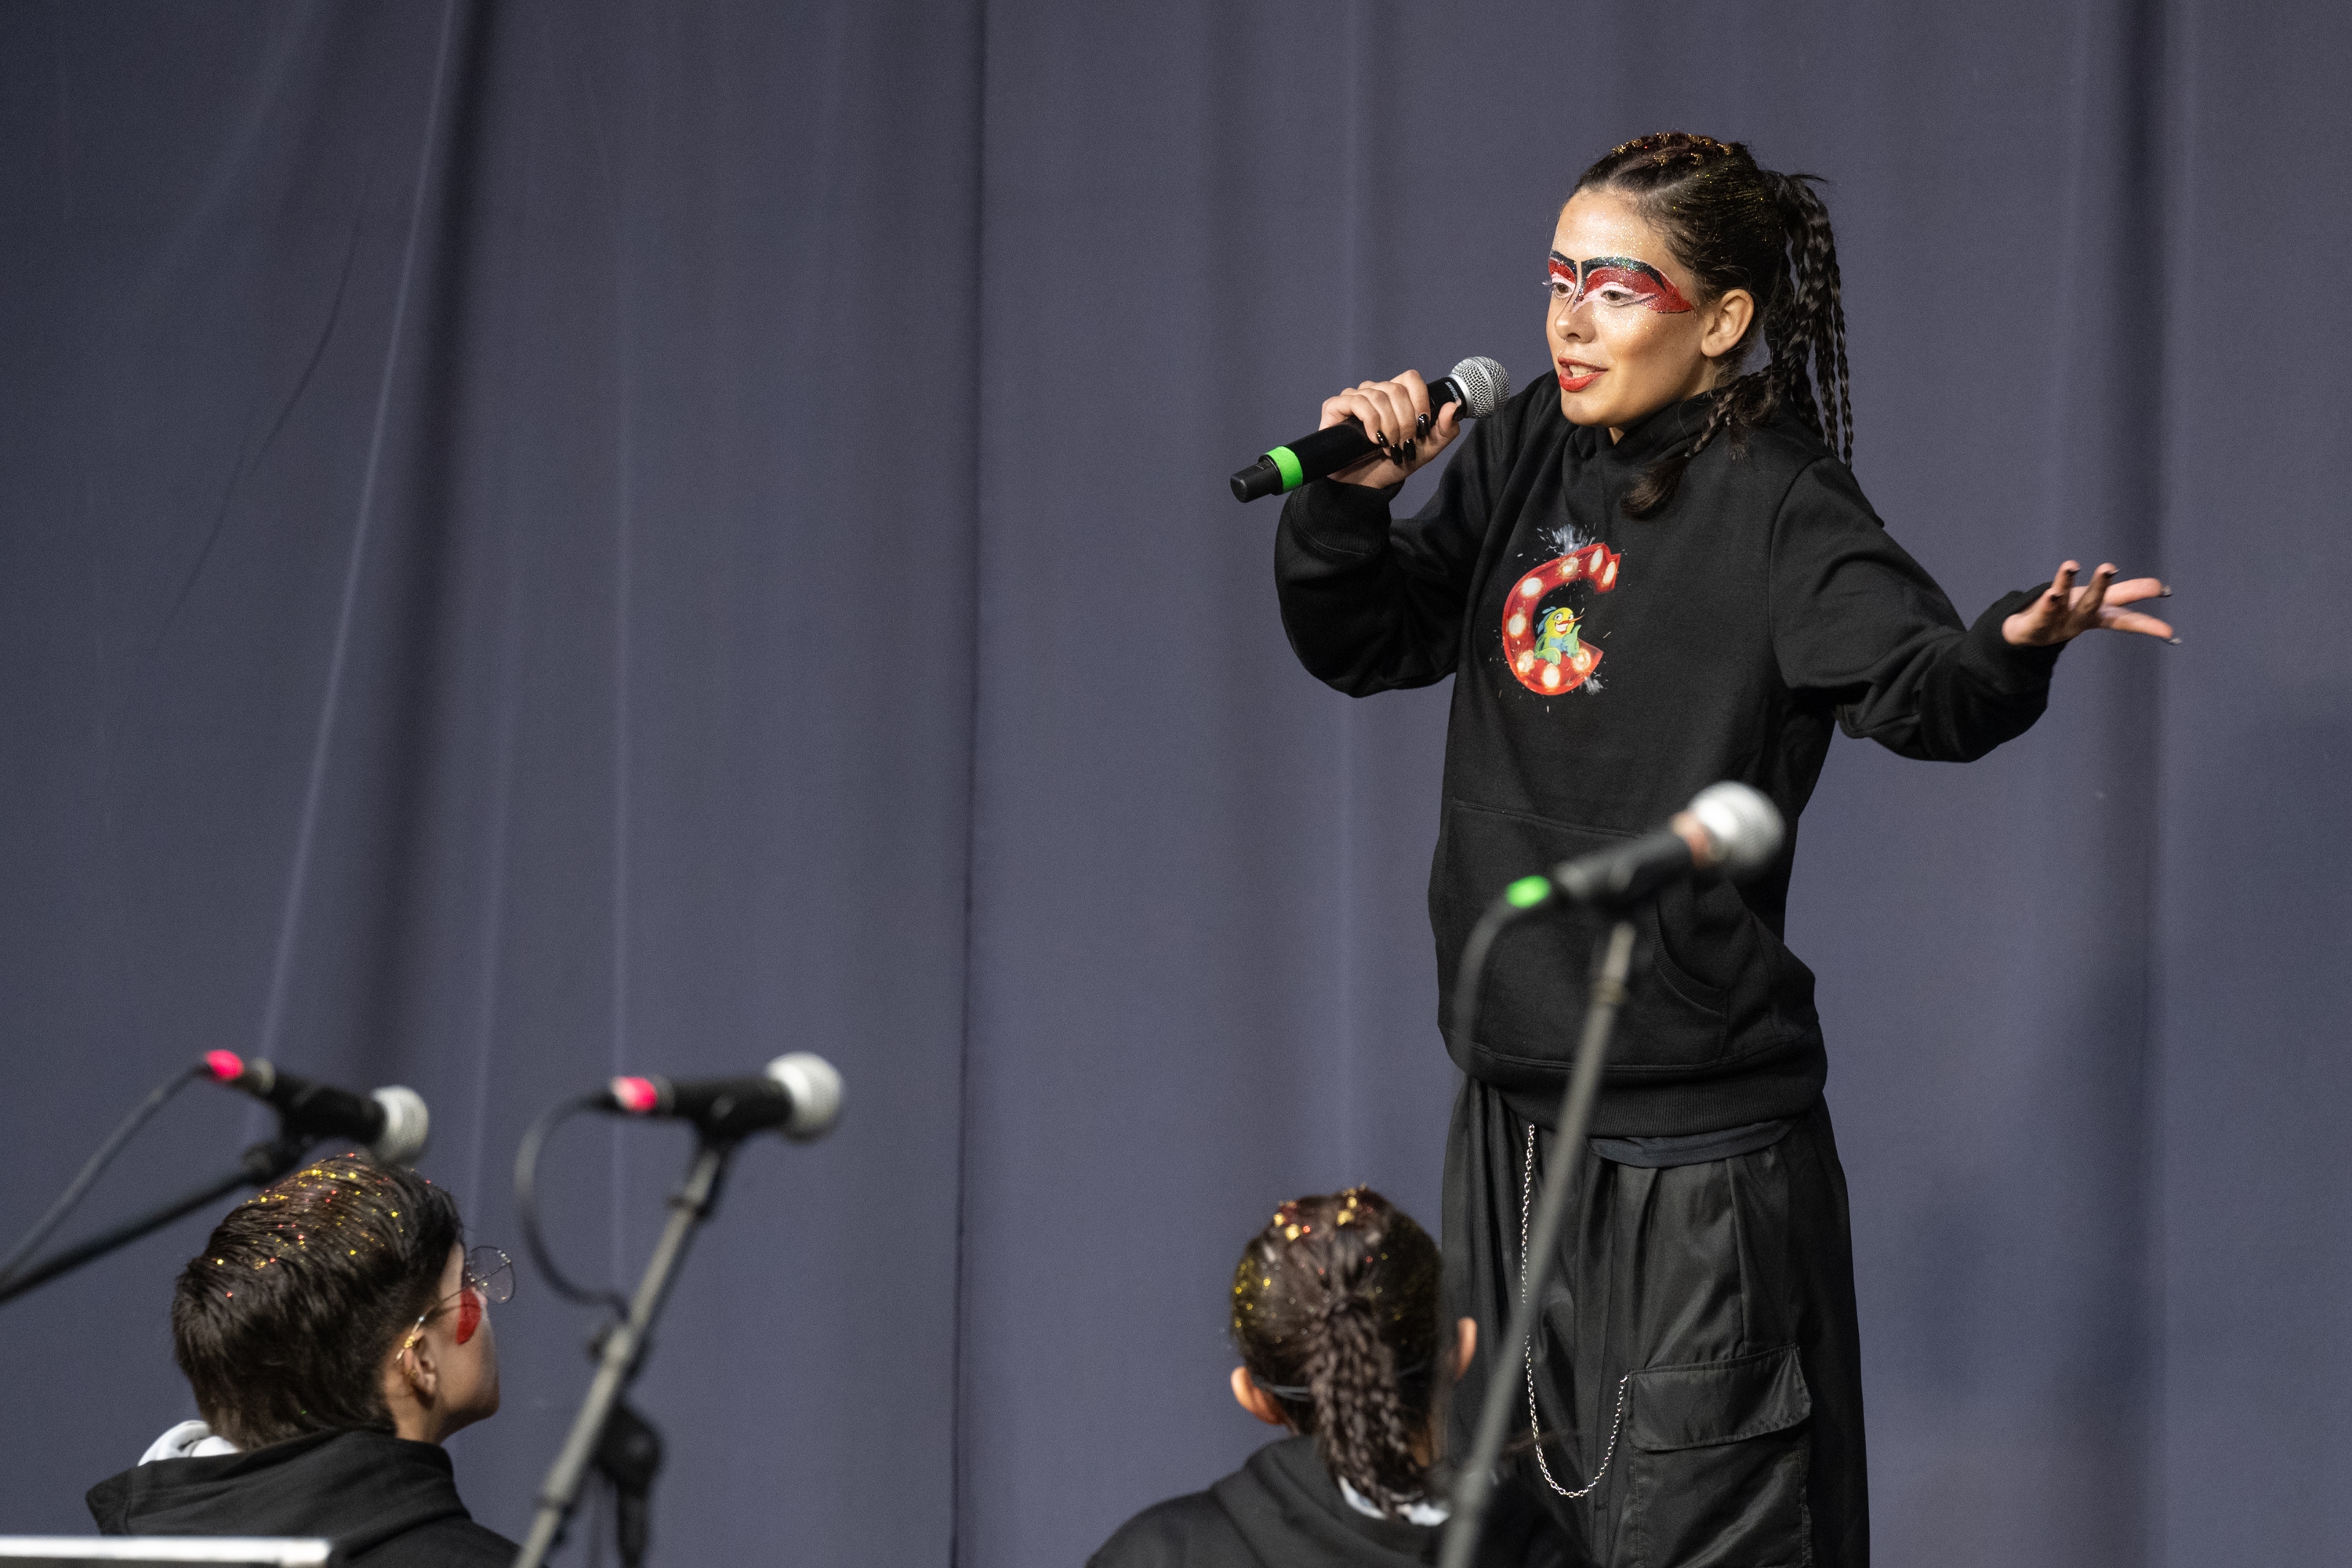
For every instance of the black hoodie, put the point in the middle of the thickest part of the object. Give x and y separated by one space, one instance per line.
1283 1509
1605 670
384 1502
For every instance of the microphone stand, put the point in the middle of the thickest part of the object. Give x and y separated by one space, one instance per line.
260 1166
1474 1484
606 1431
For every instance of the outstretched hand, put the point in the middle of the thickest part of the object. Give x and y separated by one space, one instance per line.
2066 612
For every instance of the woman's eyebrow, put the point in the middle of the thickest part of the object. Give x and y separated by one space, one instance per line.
1654 286
1625 263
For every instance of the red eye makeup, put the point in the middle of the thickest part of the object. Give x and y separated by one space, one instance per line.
1613 280
488 1277
469 1313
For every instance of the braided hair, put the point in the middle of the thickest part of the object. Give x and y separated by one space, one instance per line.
1335 1313
1737 225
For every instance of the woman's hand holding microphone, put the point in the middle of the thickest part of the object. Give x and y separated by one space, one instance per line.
1398 417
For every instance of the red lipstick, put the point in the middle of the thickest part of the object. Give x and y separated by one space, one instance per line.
1576 379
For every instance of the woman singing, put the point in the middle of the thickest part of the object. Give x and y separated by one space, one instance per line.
1652 574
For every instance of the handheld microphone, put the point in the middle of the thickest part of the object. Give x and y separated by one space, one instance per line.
798 1094
391 1124
1478 384
1726 826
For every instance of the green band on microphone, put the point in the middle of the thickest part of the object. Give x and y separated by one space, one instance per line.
1285 462
1528 892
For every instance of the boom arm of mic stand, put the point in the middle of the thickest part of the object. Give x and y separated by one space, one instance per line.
624 1347
1475 1486
261 1164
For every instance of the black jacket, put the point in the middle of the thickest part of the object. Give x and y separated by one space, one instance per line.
1718 639
384 1502
1282 1509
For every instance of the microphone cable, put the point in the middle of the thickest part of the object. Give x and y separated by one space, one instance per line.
527 1205
96 1166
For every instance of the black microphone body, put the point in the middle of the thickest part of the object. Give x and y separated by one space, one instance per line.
391 1124
799 1094
1480 385
722 1107
1727 827
1315 457
1627 874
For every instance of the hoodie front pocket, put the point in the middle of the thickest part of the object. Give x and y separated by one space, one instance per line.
1532 1007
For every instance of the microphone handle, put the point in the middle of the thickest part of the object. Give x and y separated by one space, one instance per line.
727 1107
1324 453
1628 875
327 1110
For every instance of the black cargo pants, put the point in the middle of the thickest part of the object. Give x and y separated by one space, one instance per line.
1700 1319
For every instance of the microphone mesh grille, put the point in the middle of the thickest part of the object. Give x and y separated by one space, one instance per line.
814 1085
1744 824
1486 385
407 1126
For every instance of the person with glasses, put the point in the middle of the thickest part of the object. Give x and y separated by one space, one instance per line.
335 1330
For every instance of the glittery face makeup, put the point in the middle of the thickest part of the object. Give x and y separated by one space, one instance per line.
1609 284
1624 336
1615 280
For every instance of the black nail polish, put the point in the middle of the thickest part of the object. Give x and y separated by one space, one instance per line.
2164 593
1420 425
2174 641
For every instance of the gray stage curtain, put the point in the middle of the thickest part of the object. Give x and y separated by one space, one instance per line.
539 538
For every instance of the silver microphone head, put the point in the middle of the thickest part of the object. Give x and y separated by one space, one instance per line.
1744 826
407 1126
815 1087
1485 387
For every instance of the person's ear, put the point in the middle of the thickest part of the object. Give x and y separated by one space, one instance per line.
1256 1400
1727 322
416 1365
1465 1345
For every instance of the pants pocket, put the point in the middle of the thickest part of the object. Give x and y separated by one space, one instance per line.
1718 1464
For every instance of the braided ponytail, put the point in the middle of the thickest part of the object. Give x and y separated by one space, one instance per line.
1335 1313
1811 337
1737 225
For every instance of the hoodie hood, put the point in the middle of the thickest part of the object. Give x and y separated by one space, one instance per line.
1288 1509
359 1488
1286 1505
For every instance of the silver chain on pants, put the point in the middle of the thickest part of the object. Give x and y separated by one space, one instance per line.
1526 1191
